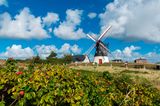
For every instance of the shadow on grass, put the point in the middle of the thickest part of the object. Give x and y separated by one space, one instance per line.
134 72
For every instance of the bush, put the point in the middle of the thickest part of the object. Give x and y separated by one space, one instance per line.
58 85
11 64
107 76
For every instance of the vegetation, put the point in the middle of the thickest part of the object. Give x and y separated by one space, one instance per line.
51 59
67 58
48 85
52 55
11 64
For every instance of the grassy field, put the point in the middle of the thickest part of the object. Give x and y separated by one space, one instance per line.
152 76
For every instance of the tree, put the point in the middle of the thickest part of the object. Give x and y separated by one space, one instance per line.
52 55
67 58
36 59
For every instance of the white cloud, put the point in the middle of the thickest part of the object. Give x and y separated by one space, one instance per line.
129 50
69 29
23 26
50 18
92 15
26 26
75 49
133 19
131 53
65 48
45 50
3 2
69 49
128 53
17 52
153 57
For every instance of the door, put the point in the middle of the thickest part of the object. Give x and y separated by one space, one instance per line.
100 61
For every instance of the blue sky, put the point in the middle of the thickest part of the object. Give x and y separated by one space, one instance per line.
37 26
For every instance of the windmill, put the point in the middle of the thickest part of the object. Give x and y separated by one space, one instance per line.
101 54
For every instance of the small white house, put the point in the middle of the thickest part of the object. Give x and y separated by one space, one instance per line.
80 59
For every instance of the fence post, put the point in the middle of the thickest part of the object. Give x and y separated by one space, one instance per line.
126 65
111 65
144 67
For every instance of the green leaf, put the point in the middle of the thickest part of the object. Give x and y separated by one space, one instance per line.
47 98
28 96
1 87
2 103
42 100
33 94
78 97
51 100
21 102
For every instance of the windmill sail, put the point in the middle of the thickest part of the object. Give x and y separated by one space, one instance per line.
101 54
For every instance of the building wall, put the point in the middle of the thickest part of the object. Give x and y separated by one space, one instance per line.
86 60
117 61
104 59
2 62
141 61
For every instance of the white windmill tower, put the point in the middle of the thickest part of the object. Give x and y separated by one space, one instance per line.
101 54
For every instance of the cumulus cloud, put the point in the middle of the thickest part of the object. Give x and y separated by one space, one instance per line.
17 52
75 49
133 52
129 50
69 29
128 53
44 50
24 26
3 2
152 57
65 48
50 18
92 15
133 19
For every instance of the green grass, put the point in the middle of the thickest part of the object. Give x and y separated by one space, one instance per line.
88 73
134 72
143 75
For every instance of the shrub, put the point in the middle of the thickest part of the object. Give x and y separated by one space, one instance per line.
11 64
58 85
107 76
